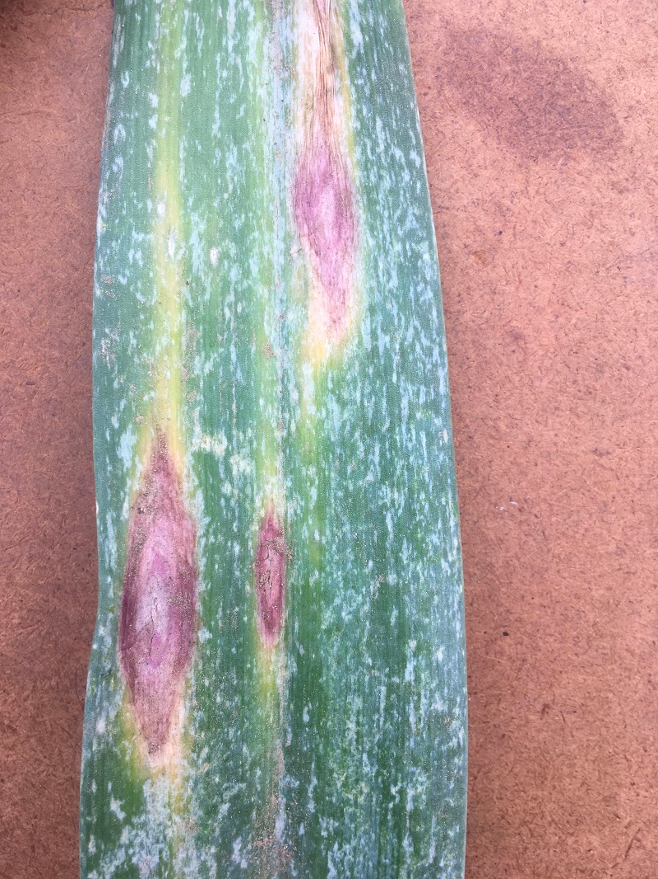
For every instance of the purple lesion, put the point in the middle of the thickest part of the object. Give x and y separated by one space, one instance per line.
324 212
158 606
270 578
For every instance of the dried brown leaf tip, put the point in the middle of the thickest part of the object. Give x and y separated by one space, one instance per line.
158 607
270 578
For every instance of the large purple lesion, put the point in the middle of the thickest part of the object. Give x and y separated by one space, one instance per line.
270 578
158 606
323 200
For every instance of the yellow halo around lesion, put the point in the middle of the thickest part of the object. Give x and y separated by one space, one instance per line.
322 87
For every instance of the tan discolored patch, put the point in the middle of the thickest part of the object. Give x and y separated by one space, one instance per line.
158 604
324 213
270 579
323 194
533 102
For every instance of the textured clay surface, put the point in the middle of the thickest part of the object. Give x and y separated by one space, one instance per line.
540 137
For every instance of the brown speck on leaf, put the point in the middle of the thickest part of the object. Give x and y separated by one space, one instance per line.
270 578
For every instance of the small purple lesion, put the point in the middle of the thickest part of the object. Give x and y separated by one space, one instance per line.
270 578
159 600
323 201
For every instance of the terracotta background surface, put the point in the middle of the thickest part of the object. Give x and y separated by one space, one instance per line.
540 126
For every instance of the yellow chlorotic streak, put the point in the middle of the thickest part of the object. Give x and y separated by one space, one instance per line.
269 426
170 282
168 760
168 239
163 420
166 793
324 198
271 556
